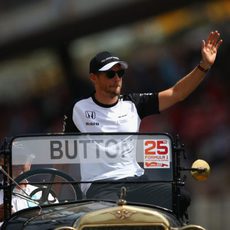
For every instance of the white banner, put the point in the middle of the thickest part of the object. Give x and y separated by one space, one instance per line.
91 149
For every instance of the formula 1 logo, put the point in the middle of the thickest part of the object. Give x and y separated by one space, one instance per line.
156 153
155 164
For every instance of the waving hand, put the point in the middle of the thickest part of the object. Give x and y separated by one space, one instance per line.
209 49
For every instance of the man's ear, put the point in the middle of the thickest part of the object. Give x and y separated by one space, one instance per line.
92 77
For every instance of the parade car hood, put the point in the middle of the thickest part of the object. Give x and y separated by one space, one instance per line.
92 213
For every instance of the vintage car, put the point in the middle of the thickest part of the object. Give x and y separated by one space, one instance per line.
42 181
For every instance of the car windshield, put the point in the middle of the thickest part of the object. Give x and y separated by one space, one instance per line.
60 167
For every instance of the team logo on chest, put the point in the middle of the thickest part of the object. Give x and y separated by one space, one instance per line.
90 114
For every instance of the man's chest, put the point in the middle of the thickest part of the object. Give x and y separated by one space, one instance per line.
122 118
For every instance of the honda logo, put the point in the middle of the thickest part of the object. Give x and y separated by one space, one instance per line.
90 114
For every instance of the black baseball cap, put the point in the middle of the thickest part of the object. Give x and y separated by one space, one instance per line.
104 61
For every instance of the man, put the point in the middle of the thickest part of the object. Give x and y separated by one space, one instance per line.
123 113
21 194
18 203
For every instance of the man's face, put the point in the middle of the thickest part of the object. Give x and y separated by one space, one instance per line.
110 86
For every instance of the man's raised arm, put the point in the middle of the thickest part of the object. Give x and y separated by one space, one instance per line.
189 83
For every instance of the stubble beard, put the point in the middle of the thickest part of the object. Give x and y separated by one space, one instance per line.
114 91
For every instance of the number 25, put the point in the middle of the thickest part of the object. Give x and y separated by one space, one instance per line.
152 146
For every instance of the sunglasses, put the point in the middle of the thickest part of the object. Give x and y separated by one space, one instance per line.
111 74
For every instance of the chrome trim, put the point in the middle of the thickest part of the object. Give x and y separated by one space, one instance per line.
124 215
